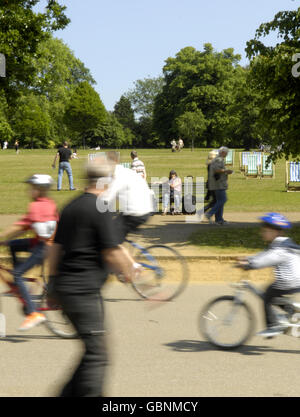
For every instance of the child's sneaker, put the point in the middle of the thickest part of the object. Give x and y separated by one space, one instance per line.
32 320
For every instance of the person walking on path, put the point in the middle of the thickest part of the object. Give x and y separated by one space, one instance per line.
218 182
210 195
64 154
85 249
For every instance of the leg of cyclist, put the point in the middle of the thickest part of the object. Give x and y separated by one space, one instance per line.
37 255
271 293
18 245
126 225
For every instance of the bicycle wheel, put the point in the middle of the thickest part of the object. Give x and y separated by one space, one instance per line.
225 323
57 322
164 273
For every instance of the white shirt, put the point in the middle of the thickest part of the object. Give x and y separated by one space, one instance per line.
135 198
285 260
138 166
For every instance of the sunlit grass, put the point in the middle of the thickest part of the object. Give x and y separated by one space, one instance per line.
243 195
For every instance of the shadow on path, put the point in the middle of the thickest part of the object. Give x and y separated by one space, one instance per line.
16 338
203 346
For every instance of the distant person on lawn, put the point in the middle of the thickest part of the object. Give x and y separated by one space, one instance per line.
64 154
137 165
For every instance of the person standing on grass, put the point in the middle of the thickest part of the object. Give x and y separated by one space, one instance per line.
218 182
17 146
137 165
180 144
64 154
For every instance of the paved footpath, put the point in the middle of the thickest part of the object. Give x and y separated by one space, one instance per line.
156 351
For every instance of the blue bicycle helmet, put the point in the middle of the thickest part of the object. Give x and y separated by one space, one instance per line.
276 220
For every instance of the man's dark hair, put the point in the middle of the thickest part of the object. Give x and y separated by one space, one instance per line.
65 143
134 154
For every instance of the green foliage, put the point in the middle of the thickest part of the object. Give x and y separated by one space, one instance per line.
109 133
198 81
58 72
21 32
271 74
143 95
32 122
124 113
191 125
85 110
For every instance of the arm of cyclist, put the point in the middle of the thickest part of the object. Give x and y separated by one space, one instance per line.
11 232
265 259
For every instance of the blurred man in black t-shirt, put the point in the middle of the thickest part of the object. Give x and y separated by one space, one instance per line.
64 154
84 249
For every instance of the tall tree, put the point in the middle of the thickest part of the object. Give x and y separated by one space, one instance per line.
21 31
124 113
198 80
143 95
32 123
58 72
273 75
191 126
84 111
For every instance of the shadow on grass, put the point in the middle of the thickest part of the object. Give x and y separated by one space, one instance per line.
203 346
235 235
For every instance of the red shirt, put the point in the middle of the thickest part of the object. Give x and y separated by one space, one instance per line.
42 210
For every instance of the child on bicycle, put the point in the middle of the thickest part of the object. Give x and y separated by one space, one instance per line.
284 255
42 219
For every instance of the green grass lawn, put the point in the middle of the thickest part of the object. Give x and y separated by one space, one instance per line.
243 195
233 240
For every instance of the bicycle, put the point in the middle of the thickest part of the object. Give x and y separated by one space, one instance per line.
56 322
164 272
227 322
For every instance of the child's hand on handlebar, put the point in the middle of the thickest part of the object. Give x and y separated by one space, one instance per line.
242 263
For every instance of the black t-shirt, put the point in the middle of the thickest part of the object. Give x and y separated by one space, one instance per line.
83 232
64 154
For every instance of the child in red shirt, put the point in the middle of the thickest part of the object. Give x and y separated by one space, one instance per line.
42 218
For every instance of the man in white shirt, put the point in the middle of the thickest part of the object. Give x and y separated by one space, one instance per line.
134 195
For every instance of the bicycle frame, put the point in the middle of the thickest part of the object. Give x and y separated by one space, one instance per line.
278 301
147 255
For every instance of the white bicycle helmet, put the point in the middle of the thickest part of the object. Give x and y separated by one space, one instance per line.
40 180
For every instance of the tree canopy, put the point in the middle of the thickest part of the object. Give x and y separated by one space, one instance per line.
272 74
